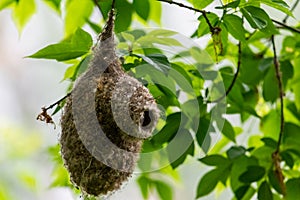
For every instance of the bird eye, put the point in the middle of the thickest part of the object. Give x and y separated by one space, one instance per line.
147 119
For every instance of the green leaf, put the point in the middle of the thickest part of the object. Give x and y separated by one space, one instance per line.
233 4
142 8
209 181
228 131
287 71
292 187
235 152
203 27
158 61
202 136
269 142
240 165
270 86
23 11
181 145
155 11
164 190
277 4
287 158
241 191
214 160
253 174
162 33
274 181
270 125
201 4
169 130
124 16
234 25
150 39
59 173
264 192
184 80
55 4
291 137
75 17
77 45
259 19
6 3
250 73
143 182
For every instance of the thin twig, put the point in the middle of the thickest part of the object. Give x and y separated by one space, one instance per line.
276 154
58 102
44 116
292 9
286 26
203 12
281 92
234 77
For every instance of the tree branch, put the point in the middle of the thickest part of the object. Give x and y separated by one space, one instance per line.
234 77
203 12
44 116
286 26
292 9
276 154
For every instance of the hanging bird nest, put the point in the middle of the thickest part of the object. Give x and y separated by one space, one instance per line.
105 122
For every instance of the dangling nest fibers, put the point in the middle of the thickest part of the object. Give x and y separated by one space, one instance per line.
94 165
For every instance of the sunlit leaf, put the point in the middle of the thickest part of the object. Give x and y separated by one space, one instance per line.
277 4
76 18
228 131
234 25
22 12
164 190
124 16
144 186
155 11
6 3
77 45
142 8
209 181
201 4
55 4
258 18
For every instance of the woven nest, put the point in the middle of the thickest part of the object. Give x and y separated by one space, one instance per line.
103 133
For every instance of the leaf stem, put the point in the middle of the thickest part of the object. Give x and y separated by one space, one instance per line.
234 77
